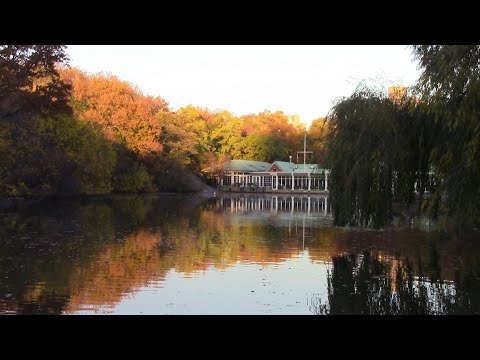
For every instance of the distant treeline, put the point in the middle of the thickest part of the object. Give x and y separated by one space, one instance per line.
64 131
381 149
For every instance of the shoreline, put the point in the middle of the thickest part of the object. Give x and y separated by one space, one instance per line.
19 203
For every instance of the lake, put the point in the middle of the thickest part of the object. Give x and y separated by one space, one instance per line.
231 254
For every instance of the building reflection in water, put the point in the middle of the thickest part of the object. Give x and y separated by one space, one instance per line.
299 212
315 204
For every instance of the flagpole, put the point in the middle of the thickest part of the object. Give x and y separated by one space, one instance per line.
304 150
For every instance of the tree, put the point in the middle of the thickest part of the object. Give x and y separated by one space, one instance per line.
264 147
450 88
317 140
29 80
128 119
71 163
230 137
30 91
196 123
377 150
277 126
179 140
124 114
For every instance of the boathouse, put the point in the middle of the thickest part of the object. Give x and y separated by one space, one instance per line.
281 176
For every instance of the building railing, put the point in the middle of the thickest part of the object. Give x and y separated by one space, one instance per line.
261 189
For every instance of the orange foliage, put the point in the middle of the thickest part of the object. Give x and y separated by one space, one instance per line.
277 124
123 112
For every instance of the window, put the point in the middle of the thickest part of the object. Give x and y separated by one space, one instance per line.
227 180
268 180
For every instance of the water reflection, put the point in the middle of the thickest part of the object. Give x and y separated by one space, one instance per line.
236 253
375 285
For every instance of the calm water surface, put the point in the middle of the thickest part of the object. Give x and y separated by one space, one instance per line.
233 254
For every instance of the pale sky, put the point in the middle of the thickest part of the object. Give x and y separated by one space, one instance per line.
295 79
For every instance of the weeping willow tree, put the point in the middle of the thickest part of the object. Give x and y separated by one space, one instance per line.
378 150
450 89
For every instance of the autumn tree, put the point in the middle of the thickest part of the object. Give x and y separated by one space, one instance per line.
45 149
318 133
275 128
197 123
229 137
125 115
265 147
277 122
127 118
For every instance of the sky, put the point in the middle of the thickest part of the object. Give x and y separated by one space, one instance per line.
299 79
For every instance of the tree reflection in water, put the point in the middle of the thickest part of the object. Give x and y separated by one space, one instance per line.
91 255
372 284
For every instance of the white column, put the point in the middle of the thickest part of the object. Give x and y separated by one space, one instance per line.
309 182
292 205
293 182
276 181
326 181
326 206
308 206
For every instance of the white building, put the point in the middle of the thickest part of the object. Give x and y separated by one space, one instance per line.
246 175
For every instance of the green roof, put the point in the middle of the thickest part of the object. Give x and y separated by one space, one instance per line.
261 166
297 168
285 165
246 165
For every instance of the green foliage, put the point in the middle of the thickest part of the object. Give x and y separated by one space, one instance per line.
229 137
433 143
179 139
172 176
450 88
80 143
56 155
134 178
378 149
7 155
264 147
